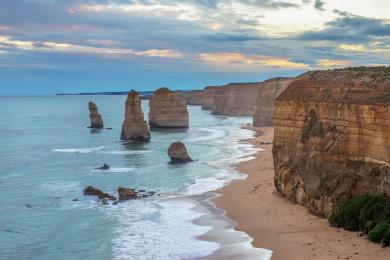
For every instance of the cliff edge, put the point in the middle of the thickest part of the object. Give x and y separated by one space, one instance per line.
332 138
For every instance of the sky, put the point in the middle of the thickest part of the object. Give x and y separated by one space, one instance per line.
69 46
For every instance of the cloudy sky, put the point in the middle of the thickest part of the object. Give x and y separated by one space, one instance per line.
51 46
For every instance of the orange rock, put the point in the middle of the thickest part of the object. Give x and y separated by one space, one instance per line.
332 137
134 127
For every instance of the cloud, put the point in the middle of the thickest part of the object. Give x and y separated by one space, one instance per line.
10 44
329 63
353 47
249 61
319 5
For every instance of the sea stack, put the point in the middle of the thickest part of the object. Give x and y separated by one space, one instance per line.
263 106
94 116
168 110
134 127
332 138
177 151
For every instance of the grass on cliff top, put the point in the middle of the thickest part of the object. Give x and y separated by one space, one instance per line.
367 213
376 69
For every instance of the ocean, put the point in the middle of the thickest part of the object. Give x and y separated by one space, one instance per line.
48 156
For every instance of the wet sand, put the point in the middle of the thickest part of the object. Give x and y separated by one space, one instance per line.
285 228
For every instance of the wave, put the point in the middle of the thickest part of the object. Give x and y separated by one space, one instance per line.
79 150
115 170
124 152
215 134
155 236
98 149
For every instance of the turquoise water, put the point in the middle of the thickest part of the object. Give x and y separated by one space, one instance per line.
48 157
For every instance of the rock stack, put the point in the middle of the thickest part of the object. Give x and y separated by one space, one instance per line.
95 117
177 151
168 110
134 127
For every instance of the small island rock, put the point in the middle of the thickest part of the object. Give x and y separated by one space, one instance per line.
92 191
94 116
127 194
178 153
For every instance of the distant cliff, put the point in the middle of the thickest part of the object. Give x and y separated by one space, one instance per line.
332 138
263 106
235 99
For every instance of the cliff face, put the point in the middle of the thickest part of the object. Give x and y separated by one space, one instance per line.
168 110
208 97
235 99
332 138
134 126
195 97
263 106
94 116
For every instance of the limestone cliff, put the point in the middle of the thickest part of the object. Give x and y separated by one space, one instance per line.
332 138
94 116
134 127
168 110
195 97
208 97
235 99
263 106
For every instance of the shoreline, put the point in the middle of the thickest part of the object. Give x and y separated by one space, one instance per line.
276 224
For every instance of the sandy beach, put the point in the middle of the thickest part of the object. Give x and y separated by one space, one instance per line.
285 228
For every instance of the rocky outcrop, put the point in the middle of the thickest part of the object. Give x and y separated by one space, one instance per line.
134 127
92 191
105 167
168 110
263 106
94 116
177 151
332 138
127 194
195 97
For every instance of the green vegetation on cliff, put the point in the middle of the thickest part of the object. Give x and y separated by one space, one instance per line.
367 213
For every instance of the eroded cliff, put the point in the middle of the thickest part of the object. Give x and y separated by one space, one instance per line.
332 138
235 99
263 106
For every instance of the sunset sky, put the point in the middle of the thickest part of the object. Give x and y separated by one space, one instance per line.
52 46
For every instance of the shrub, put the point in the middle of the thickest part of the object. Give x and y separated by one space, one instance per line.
378 232
370 214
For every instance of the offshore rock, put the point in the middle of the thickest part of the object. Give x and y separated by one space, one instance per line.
134 127
168 110
177 151
263 106
94 116
92 191
332 138
127 194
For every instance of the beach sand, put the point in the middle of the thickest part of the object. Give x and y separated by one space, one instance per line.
283 227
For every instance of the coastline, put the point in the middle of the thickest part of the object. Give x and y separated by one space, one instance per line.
274 223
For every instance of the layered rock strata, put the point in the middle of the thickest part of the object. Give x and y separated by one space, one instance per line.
177 151
195 97
168 109
134 127
94 116
332 138
235 99
263 106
